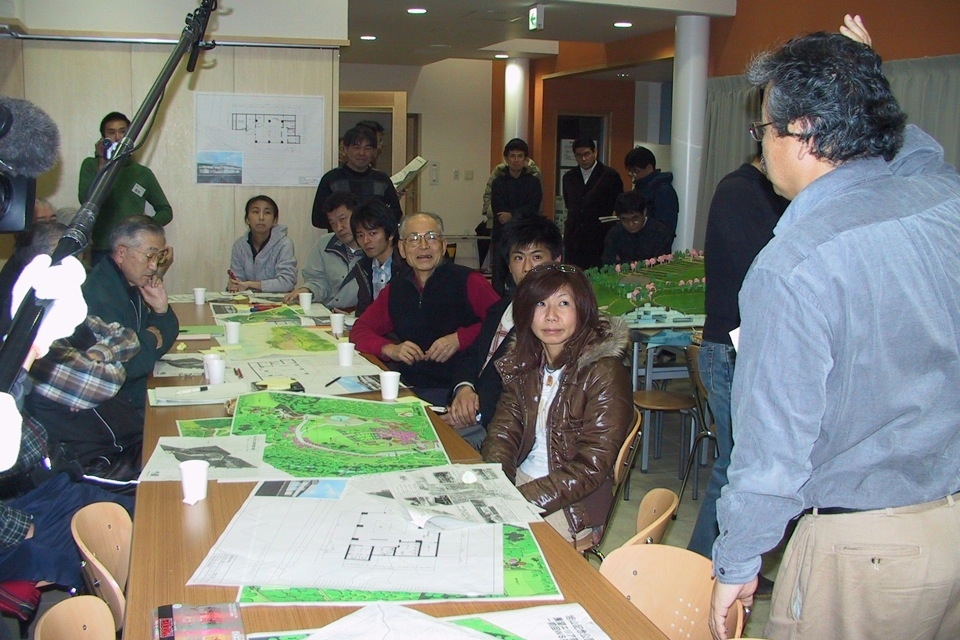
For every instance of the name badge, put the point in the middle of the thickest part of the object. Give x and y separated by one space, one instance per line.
137 189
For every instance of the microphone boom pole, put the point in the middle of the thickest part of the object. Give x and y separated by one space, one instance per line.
27 321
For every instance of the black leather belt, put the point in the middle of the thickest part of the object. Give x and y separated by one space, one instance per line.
833 511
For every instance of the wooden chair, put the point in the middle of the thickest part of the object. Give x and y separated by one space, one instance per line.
671 586
79 618
706 433
657 401
656 510
102 532
621 471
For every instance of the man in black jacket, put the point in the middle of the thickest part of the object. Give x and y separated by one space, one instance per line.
589 192
375 230
531 242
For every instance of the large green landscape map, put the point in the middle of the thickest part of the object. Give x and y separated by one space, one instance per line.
328 437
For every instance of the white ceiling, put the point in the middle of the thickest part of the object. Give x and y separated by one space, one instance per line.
478 29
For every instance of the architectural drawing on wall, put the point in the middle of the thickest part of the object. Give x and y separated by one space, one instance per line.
259 140
268 128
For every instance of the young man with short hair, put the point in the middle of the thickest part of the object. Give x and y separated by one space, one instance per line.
516 194
655 185
636 236
375 231
356 176
531 242
589 193
134 192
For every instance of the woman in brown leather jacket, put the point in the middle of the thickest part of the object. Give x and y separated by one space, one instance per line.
566 405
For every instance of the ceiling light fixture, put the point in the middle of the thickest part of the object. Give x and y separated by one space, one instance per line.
368 37
623 25
416 10
501 56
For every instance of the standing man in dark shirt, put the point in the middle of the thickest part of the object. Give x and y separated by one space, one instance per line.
743 213
589 192
515 195
655 185
356 176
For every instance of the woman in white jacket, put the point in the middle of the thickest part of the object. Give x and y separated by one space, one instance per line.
263 259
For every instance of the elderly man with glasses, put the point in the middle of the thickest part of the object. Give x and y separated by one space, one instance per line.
127 288
422 322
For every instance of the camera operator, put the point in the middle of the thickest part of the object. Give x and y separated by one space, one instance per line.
135 191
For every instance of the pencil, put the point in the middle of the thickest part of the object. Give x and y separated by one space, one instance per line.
332 381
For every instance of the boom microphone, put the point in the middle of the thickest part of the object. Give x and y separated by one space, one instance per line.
29 139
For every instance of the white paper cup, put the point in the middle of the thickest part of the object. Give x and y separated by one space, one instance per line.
306 300
207 359
345 354
193 478
232 331
389 384
199 295
216 370
337 320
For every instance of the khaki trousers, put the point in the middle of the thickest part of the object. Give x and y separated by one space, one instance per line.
884 574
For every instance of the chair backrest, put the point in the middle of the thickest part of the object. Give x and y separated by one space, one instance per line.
671 586
79 618
656 509
621 471
102 532
692 353
628 451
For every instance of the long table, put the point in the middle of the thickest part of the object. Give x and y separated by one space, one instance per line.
170 539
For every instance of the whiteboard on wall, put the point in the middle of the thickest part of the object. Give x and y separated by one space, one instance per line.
259 140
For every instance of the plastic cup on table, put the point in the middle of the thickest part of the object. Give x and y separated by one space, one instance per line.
199 295
193 478
232 331
216 371
306 302
337 322
345 353
207 359
389 385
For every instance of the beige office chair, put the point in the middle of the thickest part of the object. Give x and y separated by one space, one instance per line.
671 586
102 532
621 471
656 510
79 618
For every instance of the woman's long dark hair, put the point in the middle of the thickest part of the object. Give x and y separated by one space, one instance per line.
538 285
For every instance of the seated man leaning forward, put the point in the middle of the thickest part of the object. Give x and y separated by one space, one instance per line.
478 386
327 272
375 230
435 311
127 288
636 236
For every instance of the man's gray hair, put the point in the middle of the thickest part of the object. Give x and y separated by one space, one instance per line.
128 231
406 219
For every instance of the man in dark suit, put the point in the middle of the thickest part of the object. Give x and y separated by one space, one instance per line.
531 241
589 192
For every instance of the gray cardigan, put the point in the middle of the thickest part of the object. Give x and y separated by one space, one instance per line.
275 266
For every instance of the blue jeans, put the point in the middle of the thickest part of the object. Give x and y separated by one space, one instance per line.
716 369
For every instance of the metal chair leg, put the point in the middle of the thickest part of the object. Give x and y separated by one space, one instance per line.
698 442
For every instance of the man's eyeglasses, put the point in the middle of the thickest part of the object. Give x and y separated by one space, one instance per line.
756 130
152 256
432 237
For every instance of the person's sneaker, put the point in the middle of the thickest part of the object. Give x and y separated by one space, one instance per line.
764 588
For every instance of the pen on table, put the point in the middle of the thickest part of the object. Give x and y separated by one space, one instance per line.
239 373
332 381
191 390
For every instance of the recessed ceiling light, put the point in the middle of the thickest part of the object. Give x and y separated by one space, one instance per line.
623 25
416 10
623 75
368 37
502 56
